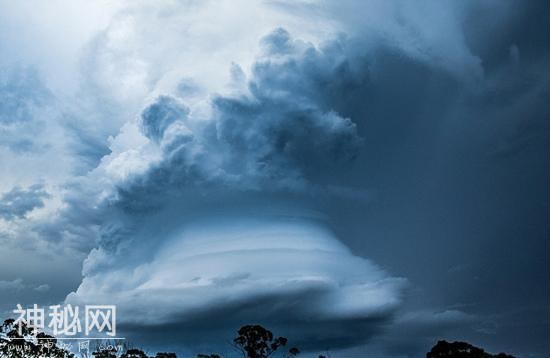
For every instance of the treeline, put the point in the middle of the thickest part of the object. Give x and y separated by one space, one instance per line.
252 341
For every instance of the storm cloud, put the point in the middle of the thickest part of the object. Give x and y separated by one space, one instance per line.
367 177
18 202
233 187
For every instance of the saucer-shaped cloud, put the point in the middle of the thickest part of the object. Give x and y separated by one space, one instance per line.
214 275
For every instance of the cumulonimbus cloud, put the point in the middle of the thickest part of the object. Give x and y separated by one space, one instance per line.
223 248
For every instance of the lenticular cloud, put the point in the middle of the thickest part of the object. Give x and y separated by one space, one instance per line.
262 267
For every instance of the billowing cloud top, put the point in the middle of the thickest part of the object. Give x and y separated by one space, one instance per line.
278 134
272 141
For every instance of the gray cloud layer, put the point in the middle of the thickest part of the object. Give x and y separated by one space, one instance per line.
18 202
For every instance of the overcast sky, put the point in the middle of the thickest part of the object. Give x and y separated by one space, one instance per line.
363 177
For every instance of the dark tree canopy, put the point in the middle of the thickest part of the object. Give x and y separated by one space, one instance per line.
41 345
104 354
15 345
254 341
444 349
134 353
293 351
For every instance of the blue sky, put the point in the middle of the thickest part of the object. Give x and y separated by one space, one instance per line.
365 177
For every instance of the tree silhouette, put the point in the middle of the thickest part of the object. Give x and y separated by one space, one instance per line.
134 353
254 341
25 345
293 352
107 353
8 325
41 345
444 349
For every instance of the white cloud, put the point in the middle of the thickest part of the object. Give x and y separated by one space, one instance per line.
232 261
42 288
18 284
